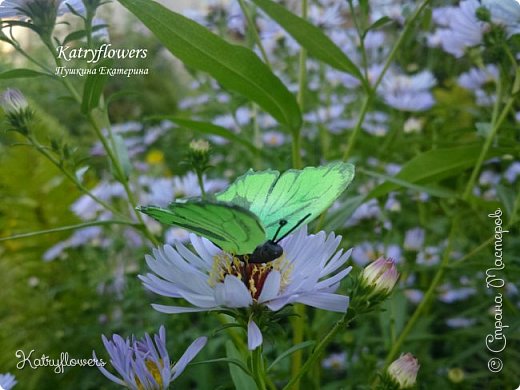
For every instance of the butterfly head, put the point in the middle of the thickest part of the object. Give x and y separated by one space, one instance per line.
271 249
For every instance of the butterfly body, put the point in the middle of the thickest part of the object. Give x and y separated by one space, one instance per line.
246 218
264 253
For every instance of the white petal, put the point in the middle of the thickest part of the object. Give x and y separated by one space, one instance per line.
271 287
326 301
254 336
199 299
334 280
159 286
188 356
232 293
179 309
278 303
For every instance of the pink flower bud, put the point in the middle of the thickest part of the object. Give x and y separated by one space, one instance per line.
381 275
404 370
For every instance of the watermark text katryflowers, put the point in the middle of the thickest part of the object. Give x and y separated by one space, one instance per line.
34 362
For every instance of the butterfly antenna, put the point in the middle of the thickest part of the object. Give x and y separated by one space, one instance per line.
293 228
282 223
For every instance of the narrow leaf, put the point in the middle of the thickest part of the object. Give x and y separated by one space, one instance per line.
77 35
310 37
290 351
20 73
434 165
122 155
240 379
210 128
235 67
378 24
94 88
236 362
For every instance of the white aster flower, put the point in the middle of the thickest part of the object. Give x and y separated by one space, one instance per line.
463 28
505 13
210 279
408 93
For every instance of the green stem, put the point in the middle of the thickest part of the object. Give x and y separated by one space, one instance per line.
298 322
491 135
370 94
257 365
428 296
71 177
109 150
254 31
201 183
67 228
318 350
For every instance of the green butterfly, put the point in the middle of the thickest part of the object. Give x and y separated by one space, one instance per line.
259 205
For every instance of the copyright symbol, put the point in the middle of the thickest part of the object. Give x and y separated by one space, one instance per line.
495 365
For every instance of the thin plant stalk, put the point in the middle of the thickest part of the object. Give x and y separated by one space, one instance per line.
367 102
254 31
109 150
67 228
491 135
299 321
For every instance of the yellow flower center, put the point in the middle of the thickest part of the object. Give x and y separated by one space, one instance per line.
253 275
155 371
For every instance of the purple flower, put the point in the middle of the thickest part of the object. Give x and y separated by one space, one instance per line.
7 381
505 13
24 8
211 279
145 364
414 239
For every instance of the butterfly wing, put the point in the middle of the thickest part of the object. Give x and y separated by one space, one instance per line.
290 196
231 227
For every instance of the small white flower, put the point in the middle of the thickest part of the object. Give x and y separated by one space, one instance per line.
413 125
210 279
273 138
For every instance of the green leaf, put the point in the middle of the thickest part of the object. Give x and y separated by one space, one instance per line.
21 73
432 190
239 363
122 155
210 128
290 351
310 37
240 379
507 196
339 217
434 165
235 67
94 87
77 35
378 24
